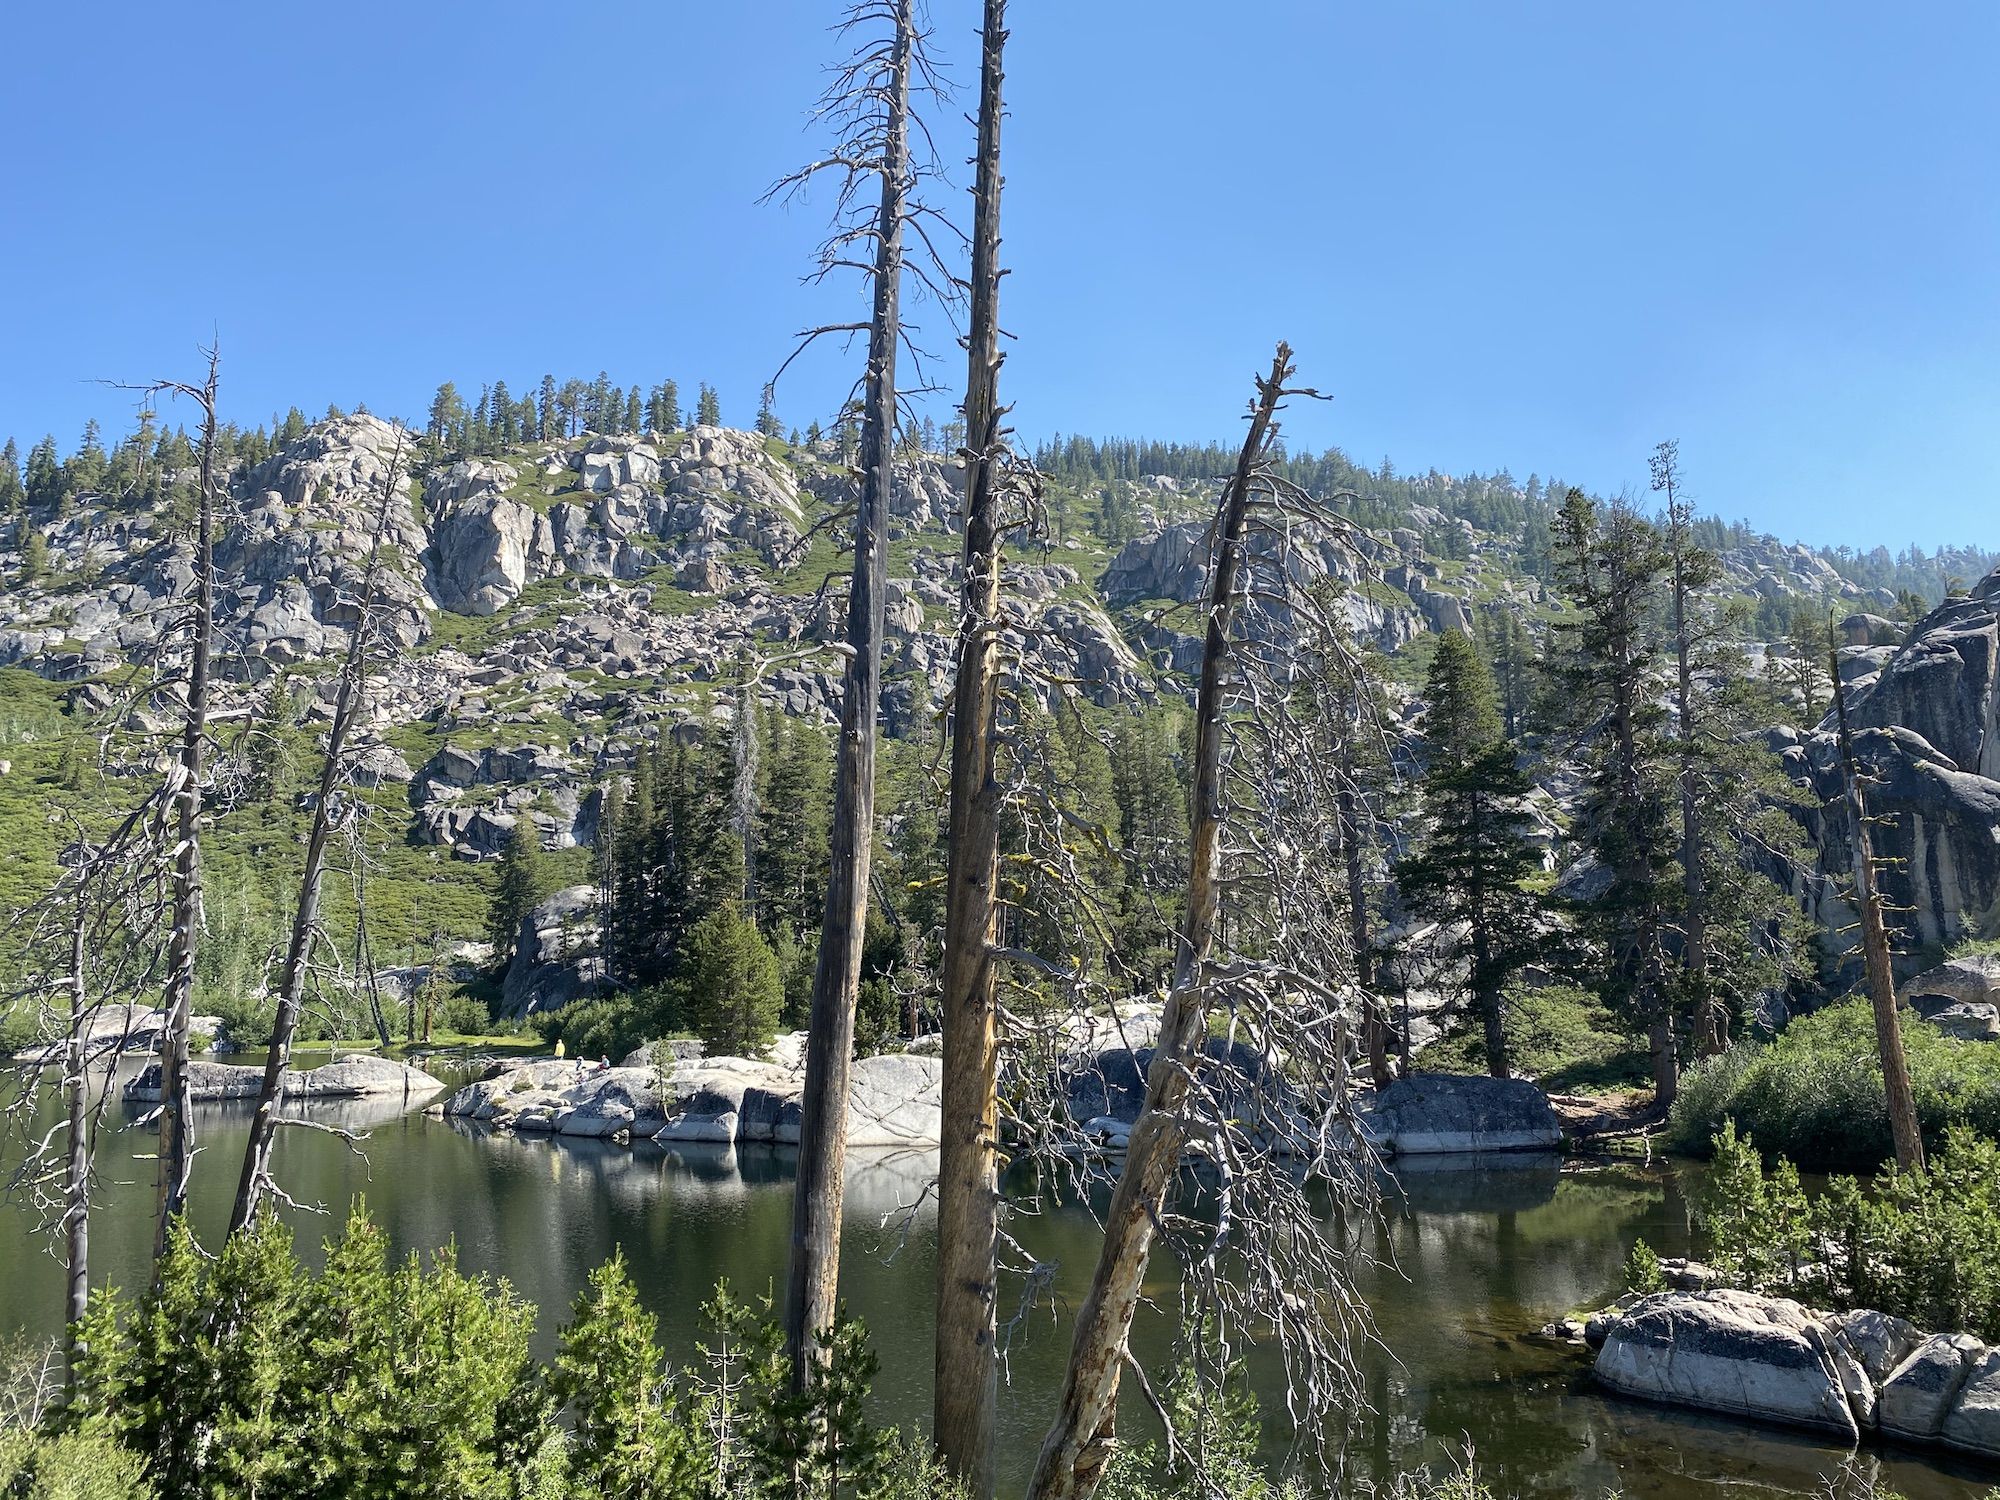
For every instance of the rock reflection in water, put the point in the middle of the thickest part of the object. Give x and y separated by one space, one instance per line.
1475 1256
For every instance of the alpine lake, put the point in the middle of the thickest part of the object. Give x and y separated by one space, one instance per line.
1469 1259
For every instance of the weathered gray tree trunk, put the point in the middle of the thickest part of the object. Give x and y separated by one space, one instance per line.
256 1173
966 1368
1903 1128
176 1155
77 1155
1079 1441
814 1275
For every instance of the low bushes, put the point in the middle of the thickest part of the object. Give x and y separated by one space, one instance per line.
1922 1245
248 1374
1815 1094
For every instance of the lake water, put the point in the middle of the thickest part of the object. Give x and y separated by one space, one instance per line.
1483 1257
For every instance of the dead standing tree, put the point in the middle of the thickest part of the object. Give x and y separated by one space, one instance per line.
185 781
1903 1126
870 103
966 1369
335 787
1269 1123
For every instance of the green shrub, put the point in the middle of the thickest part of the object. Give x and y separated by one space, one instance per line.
465 1015
86 1463
248 1374
1815 1094
20 1027
1922 1245
1642 1270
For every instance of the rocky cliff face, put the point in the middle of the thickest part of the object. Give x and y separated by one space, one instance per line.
1927 726
558 606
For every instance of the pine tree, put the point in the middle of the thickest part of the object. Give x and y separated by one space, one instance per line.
795 772
447 417
84 473
1605 661
502 418
521 886
670 405
34 554
13 495
44 475
708 407
545 423
729 975
635 414
768 424
1471 867
630 1439
1152 800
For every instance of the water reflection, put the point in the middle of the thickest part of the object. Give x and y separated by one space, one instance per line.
1474 1257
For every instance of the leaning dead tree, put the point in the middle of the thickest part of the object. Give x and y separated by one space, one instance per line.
869 103
966 1368
333 793
1903 1127
1264 955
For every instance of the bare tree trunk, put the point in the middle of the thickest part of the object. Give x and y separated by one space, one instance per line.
176 1157
1079 1441
814 1276
76 1165
1902 1102
966 1367
256 1173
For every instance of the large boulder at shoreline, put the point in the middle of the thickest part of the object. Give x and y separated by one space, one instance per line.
1433 1113
1110 1085
1733 1352
123 1028
1867 1347
893 1100
724 1100
1921 1392
1974 1423
360 1077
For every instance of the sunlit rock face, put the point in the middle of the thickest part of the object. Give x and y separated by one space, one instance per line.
1927 732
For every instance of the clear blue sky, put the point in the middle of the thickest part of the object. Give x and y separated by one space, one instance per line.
1540 235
